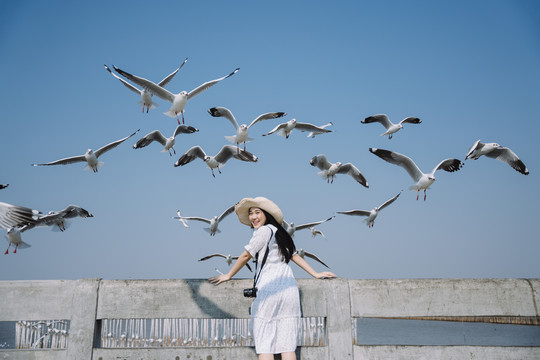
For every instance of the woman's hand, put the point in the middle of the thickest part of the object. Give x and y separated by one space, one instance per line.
325 275
216 280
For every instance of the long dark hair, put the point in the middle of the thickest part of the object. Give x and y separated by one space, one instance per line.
283 239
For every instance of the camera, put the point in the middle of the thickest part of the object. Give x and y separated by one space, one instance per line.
250 293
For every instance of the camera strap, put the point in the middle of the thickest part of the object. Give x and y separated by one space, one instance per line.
258 274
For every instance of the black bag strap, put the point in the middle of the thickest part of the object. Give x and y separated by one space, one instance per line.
258 274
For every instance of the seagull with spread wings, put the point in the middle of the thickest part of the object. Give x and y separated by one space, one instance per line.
146 96
291 228
242 131
216 161
370 214
213 222
423 180
90 157
168 143
390 127
178 100
58 220
497 152
228 258
287 127
302 253
329 170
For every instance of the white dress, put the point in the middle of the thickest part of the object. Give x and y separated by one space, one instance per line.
275 312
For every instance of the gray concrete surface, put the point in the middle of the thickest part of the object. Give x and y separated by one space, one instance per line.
85 301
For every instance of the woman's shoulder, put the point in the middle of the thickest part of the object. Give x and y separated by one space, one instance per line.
267 229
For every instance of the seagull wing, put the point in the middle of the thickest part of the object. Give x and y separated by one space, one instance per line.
196 218
211 256
14 215
126 84
112 145
226 213
308 225
388 202
148 85
321 162
243 155
149 138
310 127
207 85
193 153
315 257
411 120
184 129
169 77
400 160
506 155
220 111
73 211
267 116
476 145
355 212
353 171
65 161
449 165
277 128
380 118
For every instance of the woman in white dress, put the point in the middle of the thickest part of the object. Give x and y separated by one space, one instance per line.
275 312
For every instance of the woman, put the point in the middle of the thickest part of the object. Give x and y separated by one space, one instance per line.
275 312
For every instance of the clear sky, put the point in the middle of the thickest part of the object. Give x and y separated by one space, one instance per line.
468 70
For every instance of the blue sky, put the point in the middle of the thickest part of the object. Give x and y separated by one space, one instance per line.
468 70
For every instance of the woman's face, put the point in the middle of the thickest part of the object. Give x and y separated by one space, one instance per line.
257 217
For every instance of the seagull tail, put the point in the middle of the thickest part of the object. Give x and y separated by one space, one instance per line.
231 139
153 105
322 174
170 113
207 229
23 245
99 164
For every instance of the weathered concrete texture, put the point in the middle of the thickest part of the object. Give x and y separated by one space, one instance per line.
444 297
445 352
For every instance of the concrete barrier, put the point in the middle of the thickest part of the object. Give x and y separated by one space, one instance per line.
87 303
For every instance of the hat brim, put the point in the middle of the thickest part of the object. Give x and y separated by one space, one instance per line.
242 209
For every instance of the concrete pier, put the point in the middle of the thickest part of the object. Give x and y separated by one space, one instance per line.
86 303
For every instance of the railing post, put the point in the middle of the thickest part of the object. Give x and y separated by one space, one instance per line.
339 326
83 319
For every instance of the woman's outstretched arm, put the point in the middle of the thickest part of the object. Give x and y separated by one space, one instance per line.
239 264
298 260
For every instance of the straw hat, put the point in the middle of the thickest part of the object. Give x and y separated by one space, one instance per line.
242 209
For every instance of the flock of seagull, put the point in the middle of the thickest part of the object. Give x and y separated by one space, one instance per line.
17 219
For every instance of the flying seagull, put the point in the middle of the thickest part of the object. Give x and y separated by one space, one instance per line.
302 253
168 143
315 232
214 222
329 170
3 186
58 219
498 152
371 214
242 131
146 96
178 100
287 127
228 258
423 180
391 128
216 161
90 157
291 228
